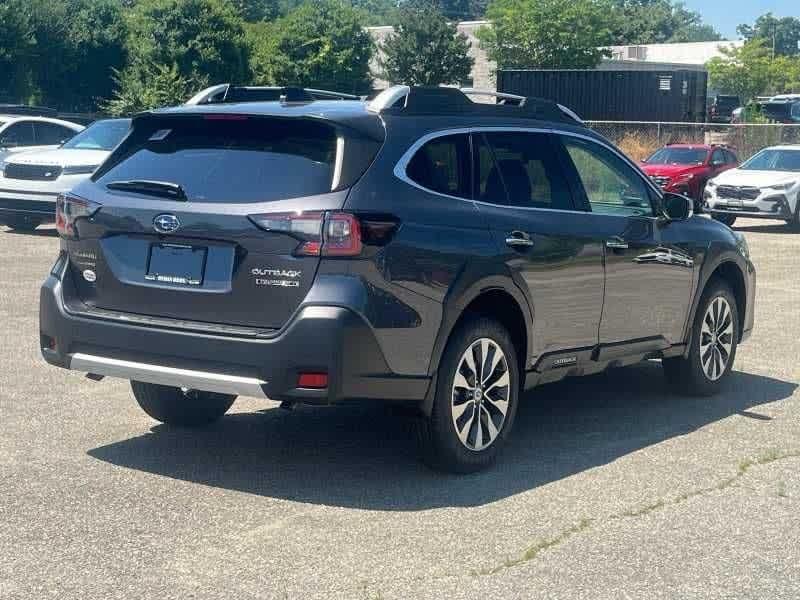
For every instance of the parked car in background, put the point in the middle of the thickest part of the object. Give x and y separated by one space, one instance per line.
765 187
686 168
722 107
30 182
21 133
784 108
420 248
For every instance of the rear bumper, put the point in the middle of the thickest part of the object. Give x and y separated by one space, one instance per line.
330 339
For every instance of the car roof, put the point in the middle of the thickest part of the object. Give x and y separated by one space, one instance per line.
8 119
783 147
694 146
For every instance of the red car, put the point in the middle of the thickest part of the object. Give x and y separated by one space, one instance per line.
686 168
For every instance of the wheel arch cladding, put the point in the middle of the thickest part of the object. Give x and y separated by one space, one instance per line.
729 272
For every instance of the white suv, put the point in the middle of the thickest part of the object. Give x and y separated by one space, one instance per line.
22 133
765 187
30 182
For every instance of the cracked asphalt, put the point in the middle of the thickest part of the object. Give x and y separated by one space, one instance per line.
610 487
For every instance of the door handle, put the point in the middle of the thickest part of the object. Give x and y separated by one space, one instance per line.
616 243
519 239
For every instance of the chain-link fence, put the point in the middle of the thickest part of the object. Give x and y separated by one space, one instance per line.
639 139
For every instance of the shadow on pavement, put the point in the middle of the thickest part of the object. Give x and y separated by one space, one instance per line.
40 232
361 457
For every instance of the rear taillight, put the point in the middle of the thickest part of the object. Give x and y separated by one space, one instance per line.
319 234
71 208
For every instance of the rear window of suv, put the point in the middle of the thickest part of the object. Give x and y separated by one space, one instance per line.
233 159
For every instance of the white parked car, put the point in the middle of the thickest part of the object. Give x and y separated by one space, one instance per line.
765 187
22 133
30 182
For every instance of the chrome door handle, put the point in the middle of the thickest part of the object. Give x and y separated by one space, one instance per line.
519 239
617 243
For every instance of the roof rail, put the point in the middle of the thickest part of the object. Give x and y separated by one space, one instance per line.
226 93
448 100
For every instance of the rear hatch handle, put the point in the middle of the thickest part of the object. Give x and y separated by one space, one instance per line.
164 189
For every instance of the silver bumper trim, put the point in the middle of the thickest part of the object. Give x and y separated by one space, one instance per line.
150 373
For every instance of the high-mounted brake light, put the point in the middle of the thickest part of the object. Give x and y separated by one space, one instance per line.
70 208
334 234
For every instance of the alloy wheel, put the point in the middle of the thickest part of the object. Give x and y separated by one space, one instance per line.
716 338
480 394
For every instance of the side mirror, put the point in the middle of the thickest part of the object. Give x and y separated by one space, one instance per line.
676 207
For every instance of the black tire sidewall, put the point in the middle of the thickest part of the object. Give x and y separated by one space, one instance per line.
447 451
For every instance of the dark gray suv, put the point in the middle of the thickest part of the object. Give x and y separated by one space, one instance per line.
420 248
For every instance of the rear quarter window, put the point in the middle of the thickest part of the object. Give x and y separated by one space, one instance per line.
233 159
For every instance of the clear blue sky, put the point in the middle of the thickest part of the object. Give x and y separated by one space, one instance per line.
726 15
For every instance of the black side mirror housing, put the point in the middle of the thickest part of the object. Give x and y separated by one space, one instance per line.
676 207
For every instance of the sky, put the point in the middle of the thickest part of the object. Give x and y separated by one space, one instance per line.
726 15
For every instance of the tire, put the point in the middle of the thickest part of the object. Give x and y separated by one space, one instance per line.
728 220
23 224
706 367
174 406
441 434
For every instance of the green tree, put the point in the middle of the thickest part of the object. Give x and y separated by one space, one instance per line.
201 38
658 21
425 49
547 34
17 48
319 44
779 34
146 84
750 71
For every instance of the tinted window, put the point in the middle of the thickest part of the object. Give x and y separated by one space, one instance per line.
18 134
774 160
611 185
102 135
678 156
442 165
731 157
718 157
520 169
230 159
49 134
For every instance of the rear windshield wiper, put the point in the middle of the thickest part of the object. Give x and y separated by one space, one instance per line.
164 189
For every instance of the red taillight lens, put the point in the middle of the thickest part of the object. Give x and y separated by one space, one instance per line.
314 381
342 235
69 209
337 234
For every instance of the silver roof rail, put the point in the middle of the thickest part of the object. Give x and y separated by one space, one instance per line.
500 95
388 98
570 113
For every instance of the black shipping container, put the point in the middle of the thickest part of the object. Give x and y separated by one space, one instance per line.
605 95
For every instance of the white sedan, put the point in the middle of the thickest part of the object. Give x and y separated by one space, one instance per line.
765 187
30 182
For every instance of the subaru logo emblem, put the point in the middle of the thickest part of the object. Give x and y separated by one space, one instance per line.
166 223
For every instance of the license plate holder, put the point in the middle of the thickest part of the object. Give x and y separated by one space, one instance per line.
176 264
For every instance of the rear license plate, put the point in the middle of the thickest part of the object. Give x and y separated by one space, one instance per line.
177 264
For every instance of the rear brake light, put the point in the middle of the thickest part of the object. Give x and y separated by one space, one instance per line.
71 208
338 234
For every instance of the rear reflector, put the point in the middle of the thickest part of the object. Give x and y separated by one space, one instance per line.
314 381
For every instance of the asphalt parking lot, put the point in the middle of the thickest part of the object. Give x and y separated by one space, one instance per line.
610 488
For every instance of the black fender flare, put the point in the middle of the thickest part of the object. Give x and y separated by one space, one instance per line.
461 295
710 266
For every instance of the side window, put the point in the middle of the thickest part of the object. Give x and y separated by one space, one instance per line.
49 134
717 158
520 169
443 165
18 134
612 187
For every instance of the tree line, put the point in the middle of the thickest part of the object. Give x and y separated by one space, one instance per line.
122 56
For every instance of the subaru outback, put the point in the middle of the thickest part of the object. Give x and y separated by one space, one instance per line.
419 248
